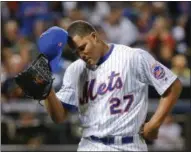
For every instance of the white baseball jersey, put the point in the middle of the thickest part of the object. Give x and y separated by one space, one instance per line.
113 99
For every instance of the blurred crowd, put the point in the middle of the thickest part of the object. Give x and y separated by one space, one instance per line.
161 28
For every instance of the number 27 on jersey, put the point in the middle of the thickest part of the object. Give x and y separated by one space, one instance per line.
116 102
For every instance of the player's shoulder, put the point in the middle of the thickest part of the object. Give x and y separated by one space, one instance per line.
131 51
77 65
142 54
121 47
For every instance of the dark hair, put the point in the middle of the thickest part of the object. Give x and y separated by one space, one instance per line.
80 28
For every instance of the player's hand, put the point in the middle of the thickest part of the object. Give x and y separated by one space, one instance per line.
149 132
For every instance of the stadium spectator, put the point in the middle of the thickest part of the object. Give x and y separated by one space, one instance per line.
118 28
180 67
178 33
10 32
160 41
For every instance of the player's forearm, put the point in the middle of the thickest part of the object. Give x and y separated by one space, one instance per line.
166 104
55 108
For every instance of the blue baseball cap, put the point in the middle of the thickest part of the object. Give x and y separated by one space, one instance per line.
51 44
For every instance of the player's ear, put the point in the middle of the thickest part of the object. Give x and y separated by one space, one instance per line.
94 36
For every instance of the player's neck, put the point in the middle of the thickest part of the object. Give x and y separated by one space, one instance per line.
106 49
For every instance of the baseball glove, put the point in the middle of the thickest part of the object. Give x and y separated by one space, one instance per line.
36 81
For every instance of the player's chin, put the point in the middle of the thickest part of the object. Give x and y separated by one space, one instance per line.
91 62
91 65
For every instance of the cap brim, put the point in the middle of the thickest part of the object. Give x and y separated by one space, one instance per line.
54 64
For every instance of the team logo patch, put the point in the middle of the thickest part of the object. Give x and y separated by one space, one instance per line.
60 44
158 71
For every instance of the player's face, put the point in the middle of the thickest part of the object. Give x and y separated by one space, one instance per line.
88 48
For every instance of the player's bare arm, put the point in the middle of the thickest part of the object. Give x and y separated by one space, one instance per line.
54 107
167 101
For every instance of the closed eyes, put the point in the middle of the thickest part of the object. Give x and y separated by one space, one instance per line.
81 48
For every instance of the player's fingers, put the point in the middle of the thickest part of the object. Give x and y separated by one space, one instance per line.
141 134
141 131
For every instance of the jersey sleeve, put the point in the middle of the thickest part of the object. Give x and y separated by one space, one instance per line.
154 73
68 92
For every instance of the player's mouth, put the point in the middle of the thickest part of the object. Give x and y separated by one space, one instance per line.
88 61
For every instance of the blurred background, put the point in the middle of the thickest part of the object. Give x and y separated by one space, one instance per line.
161 28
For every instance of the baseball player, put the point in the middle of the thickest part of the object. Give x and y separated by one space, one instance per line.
108 86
